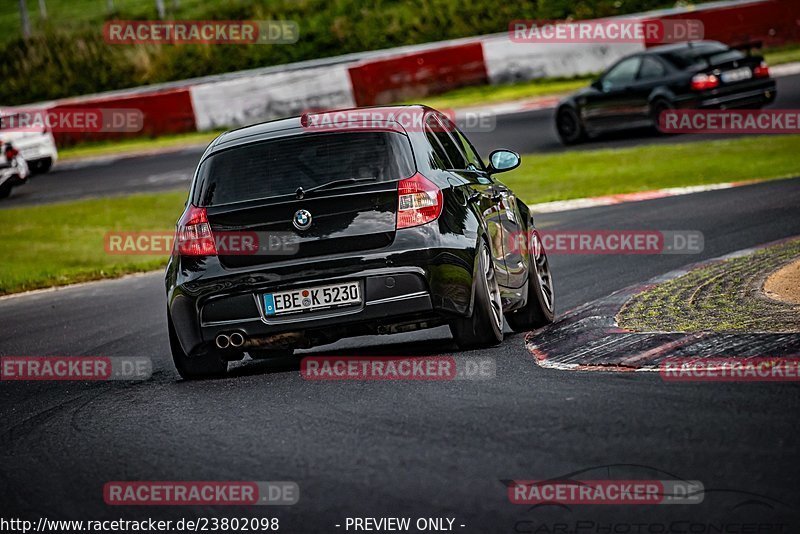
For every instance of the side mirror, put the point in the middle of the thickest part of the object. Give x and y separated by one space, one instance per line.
502 161
597 84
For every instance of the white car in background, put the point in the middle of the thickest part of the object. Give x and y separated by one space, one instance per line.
37 146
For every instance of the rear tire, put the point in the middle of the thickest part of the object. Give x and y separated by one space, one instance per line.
40 166
5 190
569 126
539 309
659 106
484 328
204 363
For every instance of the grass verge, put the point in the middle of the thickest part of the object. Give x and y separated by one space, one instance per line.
782 54
135 145
479 95
722 297
578 174
63 243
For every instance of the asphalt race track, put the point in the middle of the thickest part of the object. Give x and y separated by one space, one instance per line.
527 132
412 449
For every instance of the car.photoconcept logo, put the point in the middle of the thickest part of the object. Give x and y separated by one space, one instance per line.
302 219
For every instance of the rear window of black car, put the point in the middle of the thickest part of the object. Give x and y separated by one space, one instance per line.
279 166
702 55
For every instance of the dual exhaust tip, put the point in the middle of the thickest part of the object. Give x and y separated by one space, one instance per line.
233 340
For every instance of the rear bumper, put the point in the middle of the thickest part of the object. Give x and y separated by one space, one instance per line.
758 93
37 148
408 300
405 283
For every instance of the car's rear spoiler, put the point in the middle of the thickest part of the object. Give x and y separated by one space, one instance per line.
748 46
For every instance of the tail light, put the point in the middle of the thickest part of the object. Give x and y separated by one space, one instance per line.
419 201
762 71
704 82
193 235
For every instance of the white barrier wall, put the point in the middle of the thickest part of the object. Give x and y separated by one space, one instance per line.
244 101
249 100
247 97
508 61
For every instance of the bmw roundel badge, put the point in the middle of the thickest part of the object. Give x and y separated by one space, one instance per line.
302 219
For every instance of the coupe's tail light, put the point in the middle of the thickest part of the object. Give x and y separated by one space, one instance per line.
419 201
193 236
704 82
762 71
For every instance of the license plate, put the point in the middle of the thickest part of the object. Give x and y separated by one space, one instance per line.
737 75
312 298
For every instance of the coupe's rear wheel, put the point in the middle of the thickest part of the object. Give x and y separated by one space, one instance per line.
569 126
657 108
484 327
5 190
205 363
538 311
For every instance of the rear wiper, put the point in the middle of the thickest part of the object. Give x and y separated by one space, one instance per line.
300 192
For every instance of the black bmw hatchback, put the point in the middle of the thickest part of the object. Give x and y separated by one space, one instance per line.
302 231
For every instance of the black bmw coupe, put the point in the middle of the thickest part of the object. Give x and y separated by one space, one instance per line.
634 92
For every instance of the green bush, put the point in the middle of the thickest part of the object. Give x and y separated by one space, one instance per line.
69 57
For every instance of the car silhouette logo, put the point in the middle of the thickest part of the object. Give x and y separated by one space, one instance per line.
302 219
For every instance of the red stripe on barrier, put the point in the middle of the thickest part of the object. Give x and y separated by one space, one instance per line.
399 78
414 75
164 112
773 22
